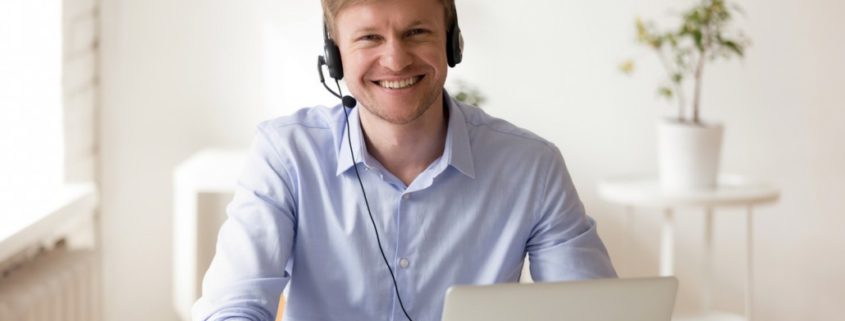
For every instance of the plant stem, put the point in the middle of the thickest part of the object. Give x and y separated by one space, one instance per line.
699 71
707 41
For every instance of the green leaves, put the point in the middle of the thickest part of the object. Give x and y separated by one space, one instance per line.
468 94
734 46
665 92
698 37
647 35
703 35
627 67
677 78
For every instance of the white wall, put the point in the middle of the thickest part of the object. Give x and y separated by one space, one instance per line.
180 76
783 108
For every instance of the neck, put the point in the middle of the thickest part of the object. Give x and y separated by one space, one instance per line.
406 150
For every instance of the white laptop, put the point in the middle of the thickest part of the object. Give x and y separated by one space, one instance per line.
639 299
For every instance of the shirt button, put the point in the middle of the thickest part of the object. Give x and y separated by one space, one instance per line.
406 196
404 263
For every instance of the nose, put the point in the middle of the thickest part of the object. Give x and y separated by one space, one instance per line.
396 55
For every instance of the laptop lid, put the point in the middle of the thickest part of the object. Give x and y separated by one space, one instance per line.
638 299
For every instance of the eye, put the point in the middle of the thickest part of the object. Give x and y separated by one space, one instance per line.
416 32
369 37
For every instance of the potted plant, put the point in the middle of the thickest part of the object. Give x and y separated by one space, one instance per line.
688 147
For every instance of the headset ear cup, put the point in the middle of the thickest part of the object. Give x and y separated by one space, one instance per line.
454 45
333 61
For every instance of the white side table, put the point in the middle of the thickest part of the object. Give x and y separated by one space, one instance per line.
209 171
733 191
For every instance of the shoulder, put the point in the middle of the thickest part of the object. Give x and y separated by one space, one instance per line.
487 130
317 117
308 130
317 121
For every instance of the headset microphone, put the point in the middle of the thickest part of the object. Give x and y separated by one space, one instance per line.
347 101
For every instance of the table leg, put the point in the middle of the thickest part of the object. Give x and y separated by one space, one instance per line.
186 285
707 261
749 278
629 217
667 244
631 236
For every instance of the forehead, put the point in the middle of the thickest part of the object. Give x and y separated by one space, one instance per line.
374 14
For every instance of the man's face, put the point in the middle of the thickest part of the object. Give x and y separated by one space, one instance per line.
394 56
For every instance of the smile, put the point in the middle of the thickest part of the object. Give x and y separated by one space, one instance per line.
399 84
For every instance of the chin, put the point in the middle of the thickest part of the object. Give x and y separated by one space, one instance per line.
397 115
395 109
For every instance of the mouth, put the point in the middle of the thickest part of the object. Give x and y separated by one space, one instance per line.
400 83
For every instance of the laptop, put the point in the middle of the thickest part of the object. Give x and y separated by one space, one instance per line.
637 299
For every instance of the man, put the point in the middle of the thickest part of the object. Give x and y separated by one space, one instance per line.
456 196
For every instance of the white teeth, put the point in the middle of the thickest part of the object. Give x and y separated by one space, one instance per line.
405 83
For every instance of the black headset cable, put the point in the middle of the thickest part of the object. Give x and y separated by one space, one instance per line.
367 202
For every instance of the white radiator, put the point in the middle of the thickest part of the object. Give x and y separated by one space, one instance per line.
60 285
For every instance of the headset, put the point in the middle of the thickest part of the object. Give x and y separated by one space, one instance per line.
332 61
454 49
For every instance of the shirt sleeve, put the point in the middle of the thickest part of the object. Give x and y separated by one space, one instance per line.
564 243
248 272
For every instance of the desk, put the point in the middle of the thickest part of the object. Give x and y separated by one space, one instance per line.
732 191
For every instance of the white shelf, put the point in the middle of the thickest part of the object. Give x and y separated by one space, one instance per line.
210 171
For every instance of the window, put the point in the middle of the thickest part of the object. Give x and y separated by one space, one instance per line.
31 142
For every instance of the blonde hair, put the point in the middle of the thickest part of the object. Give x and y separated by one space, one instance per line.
332 7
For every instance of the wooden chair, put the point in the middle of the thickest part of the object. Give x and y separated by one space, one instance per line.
281 308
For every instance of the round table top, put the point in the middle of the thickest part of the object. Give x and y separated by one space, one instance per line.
732 190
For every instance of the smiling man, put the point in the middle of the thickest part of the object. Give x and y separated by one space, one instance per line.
395 65
453 195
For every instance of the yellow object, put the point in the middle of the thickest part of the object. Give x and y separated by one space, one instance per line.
281 308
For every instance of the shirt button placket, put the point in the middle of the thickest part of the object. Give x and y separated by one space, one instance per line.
403 263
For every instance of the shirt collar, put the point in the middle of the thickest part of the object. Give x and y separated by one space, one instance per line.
457 151
344 159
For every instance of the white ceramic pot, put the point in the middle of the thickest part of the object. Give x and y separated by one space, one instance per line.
688 155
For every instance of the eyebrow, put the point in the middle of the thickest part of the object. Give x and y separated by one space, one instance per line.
415 23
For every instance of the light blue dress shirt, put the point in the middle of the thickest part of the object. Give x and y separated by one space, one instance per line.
298 219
